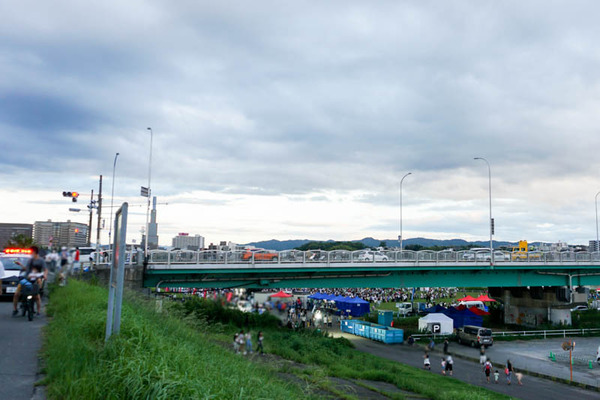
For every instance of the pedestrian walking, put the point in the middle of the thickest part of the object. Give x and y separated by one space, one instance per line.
519 376
249 342
242 342
496 376
426 362
482 356
259 347
449 365
236 345
508 371
431 344
443 366
446 343
487 368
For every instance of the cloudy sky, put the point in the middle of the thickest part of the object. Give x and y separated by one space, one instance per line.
298 119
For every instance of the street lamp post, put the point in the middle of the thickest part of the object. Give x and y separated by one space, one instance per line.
149 196
112 196
400 237
491 220
597 242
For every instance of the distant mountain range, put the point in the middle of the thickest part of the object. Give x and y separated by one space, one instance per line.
280 245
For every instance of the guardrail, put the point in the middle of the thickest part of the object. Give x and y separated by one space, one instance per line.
173 257
545 333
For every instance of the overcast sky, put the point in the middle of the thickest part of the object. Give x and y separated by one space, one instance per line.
293 120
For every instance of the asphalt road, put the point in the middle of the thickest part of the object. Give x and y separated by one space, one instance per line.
20 342
533 388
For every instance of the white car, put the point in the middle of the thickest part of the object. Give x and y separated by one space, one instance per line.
244 306
372 255
580 308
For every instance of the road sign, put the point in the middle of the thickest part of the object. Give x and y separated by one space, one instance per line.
436 328
144 192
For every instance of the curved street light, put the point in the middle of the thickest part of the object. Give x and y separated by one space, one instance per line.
400 237
149 196
112 196
491 220
597 242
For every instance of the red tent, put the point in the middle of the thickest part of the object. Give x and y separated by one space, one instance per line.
468 298
281 293
484 297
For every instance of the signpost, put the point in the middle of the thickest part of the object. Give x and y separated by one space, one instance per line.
117 274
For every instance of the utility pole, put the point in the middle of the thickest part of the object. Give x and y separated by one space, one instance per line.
99 220
89 233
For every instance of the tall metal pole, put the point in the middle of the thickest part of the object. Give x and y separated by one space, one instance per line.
89 235
112 196
149 196
99 227
491 223
400 237
597 242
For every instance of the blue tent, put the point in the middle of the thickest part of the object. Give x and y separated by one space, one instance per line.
340 298
328 297
354 306
464 317
316 296
435 309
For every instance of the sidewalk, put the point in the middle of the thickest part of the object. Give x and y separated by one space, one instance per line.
469 371
19 365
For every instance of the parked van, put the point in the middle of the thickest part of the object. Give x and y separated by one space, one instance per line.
478 304
475 336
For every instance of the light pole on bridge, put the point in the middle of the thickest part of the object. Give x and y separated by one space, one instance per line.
149 195
400 237
491 219
596 203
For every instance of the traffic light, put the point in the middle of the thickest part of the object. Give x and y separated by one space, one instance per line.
73 195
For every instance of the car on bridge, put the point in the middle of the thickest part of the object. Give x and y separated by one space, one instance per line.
260 255
370 255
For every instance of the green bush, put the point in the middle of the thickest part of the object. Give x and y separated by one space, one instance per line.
154 357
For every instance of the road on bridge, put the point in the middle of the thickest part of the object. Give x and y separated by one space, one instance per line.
533 388
21 342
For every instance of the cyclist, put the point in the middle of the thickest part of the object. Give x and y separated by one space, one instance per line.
35 270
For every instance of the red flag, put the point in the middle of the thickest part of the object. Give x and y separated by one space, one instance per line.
229 295
204 294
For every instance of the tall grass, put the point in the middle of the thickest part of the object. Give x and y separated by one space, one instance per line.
337 357
154 357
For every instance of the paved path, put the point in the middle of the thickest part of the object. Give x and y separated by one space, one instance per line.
471 372
20 341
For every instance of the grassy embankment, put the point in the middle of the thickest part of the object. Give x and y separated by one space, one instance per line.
155 356
325 356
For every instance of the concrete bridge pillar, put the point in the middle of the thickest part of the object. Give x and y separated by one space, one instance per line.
534 306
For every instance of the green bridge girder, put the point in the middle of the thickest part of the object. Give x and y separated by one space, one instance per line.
262 276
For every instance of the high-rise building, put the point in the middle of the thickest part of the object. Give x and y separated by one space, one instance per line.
58 234
186 242
153 227
9 231
594 246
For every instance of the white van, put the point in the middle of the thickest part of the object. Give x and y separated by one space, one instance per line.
478 304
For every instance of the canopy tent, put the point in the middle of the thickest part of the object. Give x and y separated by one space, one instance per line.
468 298
445 322
281 293
317 296
464 317
478 311
340 298
354 306
484 297
436 309
329 297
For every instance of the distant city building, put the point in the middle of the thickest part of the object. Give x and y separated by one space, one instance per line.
58 234
594 246
8 231
186 242
558 246
153 227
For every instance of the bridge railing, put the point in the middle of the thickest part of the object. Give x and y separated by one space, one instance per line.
481 256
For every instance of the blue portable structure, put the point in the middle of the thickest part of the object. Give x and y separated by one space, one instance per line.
385 317
372 331
461 318
354 306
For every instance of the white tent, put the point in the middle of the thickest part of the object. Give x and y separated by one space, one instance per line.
444 322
